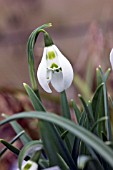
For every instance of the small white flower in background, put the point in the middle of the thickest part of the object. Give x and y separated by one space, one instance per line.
55 69
81 161
30 165
111 57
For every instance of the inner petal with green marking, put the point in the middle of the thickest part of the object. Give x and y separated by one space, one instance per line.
27 166
50 55
54 66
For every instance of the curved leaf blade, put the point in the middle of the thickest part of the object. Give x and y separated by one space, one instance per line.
77 130
11 142
26 149
25 138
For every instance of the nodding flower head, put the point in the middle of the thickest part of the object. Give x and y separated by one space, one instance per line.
55 69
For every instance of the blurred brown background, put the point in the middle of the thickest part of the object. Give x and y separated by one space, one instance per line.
83 30
79 29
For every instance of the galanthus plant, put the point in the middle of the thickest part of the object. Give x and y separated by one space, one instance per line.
64 144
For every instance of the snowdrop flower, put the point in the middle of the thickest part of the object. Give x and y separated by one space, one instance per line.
111 58
55 69
30 165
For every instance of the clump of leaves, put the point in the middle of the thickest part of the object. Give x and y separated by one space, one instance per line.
64 144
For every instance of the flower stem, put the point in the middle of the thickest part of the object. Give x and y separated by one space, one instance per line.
65 106
30 49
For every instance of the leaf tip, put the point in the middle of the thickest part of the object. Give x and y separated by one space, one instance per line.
89 101
3 114
24 84
109 68
100 66
50 24
79 95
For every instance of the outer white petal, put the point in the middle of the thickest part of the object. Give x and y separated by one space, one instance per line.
67 69
111 58
42 73
57 81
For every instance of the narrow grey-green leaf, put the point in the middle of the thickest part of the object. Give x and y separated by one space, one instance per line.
106 108
98 76
76 110
55 143
25 138
97 101
89 114
11 142
63 164
107 114
66 113
34 99
10 147
102 119
93 164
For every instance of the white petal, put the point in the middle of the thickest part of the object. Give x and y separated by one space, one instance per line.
34 165
111 58
57 81
42 73
67 69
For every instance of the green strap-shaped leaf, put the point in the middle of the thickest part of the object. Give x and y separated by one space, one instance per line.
97 101
107 114
76 110
10 147
102 119
64 134
107 74
77 130
93 164
55 145
11 142
98 77
89 114
76 145
69 140
106 108
25 138
63 164
37 104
